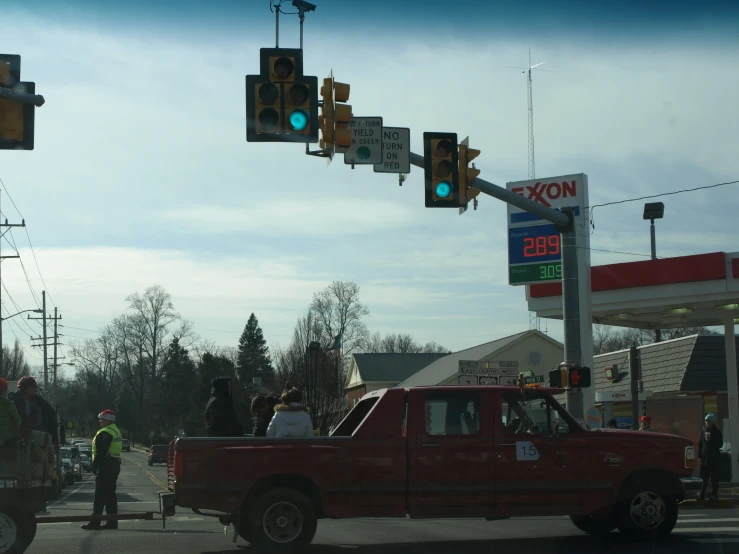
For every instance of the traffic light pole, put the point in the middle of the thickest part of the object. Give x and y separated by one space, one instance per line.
564 221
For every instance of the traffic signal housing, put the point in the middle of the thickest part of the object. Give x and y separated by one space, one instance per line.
467 175
578 377
441 170
335 116
281 102
17 119
558 378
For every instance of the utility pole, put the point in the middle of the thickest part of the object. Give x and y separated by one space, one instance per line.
56 341
6 224
44 338
634 376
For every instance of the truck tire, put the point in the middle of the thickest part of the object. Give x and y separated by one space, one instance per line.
646 514
282 521
594 525
17 531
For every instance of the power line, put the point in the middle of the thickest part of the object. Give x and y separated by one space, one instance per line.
16 306
33 252
672 193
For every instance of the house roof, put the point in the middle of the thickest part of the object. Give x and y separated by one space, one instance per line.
391 367
694 363
443 368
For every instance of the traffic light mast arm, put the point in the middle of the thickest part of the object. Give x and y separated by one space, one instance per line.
22 97
556 217
564 221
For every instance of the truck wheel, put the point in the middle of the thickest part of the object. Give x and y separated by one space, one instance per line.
17 531
594 525
646 514
282 520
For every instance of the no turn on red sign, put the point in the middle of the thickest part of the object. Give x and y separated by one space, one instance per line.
396 151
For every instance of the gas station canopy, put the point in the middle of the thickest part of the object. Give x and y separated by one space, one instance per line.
688 291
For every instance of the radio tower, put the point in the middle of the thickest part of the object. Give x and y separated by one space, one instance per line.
534 322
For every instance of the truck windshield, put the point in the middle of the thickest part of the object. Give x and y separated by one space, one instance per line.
534 415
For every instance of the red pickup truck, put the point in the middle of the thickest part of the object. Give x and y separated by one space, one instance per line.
430 452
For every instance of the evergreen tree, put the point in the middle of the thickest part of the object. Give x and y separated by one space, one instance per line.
254 360
176 388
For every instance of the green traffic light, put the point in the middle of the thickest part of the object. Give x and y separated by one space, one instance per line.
443 190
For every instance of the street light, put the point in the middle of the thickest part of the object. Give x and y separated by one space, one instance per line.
37 311
652 211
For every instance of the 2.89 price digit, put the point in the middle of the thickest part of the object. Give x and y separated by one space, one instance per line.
541 246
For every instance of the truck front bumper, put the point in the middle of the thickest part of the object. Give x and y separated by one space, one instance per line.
692 486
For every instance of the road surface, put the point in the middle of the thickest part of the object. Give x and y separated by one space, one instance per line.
699 531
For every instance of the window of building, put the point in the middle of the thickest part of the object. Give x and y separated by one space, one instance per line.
452 414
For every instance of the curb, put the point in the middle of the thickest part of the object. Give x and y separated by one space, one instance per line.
708 504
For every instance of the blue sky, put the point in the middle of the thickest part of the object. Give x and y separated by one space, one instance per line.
142 174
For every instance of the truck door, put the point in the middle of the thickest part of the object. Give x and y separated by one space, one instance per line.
542 458
451 471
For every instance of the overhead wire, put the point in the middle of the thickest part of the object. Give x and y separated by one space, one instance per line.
650 196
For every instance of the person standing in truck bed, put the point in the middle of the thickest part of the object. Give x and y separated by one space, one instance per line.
220 416
291 417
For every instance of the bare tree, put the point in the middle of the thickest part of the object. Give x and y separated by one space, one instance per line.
315 371
399 343
339 312
157 313
607 339
15 365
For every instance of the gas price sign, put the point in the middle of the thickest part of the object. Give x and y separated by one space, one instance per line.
534 254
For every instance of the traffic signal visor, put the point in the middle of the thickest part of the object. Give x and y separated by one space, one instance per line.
335 118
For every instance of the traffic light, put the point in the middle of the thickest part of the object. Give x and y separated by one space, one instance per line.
558 378
441 170
281 102
578 377
17 119
335 118
467 175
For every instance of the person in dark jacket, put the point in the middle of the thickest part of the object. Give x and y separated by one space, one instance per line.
612 424
36 413
220 416
709 447
263 410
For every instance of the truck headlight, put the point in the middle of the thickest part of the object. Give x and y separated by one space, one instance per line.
689 456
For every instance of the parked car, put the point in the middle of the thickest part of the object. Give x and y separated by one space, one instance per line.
491 452
126 445
158 454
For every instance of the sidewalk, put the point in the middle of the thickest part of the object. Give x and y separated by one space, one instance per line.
728 494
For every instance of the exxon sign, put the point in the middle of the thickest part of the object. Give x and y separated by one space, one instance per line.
553 192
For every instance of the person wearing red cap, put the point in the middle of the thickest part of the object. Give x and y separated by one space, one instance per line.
106 465
645 424
10 419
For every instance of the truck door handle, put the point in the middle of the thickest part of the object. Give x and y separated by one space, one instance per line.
429 445
507 444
